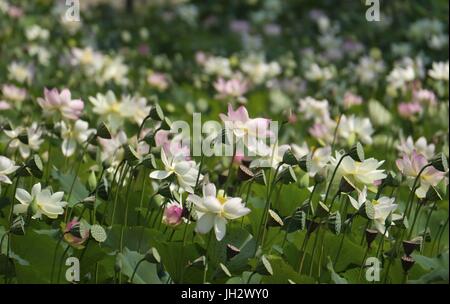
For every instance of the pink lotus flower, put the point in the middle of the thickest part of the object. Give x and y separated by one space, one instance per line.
239 26
425 97
231 88
410 166
244 125
63 103
409 109
172 147
323 131
13 93
143 49
74 234
4 105
272 29
15 12
351 99
173 214
200 58
158 81
250 131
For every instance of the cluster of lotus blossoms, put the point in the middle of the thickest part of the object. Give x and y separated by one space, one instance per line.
214 209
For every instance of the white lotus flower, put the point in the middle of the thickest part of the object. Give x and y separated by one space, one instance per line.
112 149
20 72
116 111
7 167
186 171
420 146
272 157
439 71
317 73
113 69
73 135
314 109
362 199
109 107
358 174
399 76
352 128
42 202
384 207
34 133
319 160
214 209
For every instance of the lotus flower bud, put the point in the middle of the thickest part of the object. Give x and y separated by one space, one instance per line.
173 214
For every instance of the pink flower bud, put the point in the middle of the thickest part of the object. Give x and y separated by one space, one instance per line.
173 214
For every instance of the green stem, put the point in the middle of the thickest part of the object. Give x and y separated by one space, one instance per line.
250 277
54 257
116 197
61 262
135 269
426 225
332 176
314 250
416 215
363 262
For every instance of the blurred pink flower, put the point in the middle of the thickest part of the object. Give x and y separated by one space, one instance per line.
4 105
239 26
409 109
272 29
158 81
200 58
425 97
173 214
410 166
143 49
74 235
250 131
231 88
63 103
172 147
15 11
351 99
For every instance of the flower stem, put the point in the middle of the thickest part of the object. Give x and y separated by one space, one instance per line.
426 225
332 176
135 269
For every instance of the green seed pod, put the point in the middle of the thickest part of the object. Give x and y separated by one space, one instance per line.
164 190
23 137
260 178
103 131
149 161
149 139
232 251
156 113
287 176
130 154
289 158
371 235
322 210
334 222
244 173
440 162
152 256
367 210
407 263
35 165
263 267
18 226
357 152
305 162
